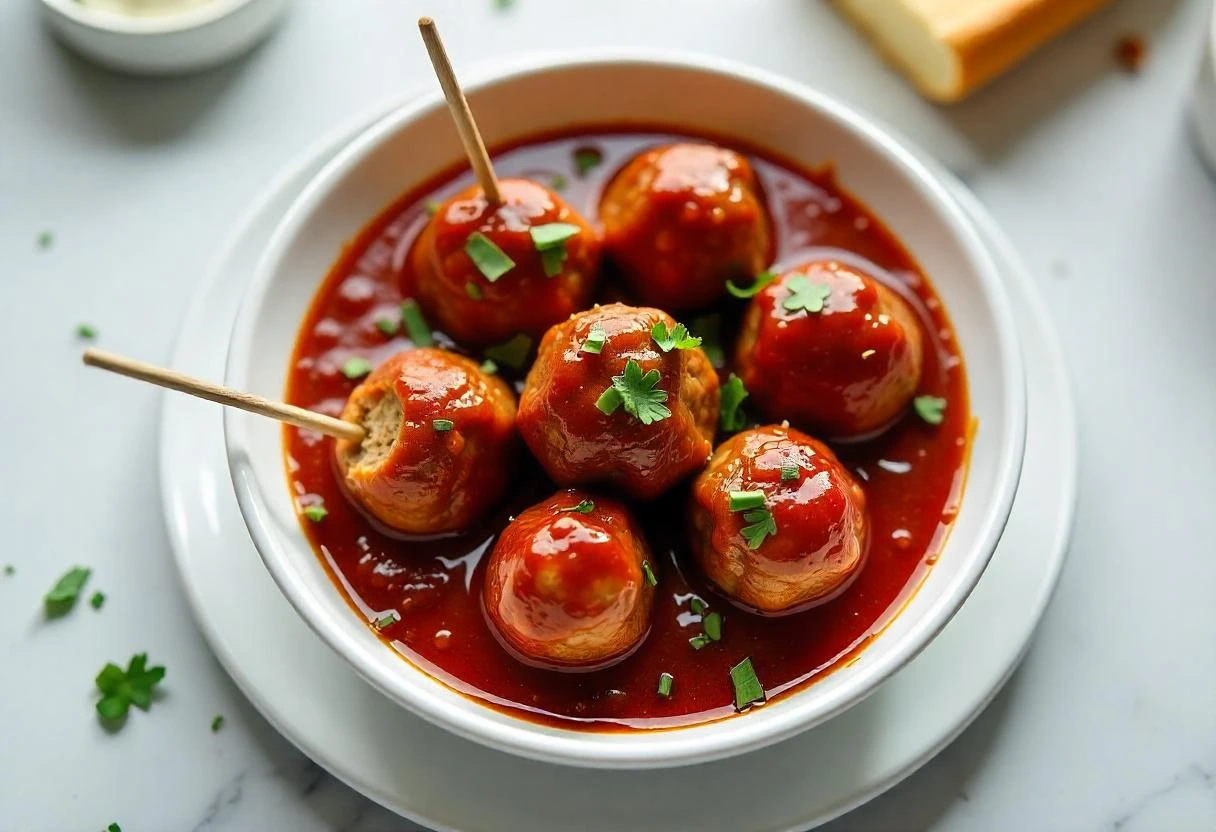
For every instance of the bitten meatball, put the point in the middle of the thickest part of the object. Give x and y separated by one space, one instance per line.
778 524
632 415
486 273
831 349
683 219
439 446
568 583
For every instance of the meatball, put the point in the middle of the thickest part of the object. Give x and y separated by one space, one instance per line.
584 432
829 348
568 585
683 219
439 446
778 524
551 270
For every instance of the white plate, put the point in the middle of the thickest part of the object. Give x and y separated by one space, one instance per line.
423 773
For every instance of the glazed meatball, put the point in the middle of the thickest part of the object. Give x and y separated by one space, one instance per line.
777 523
568 583
584 433
829 348
683 219
439 445
552 270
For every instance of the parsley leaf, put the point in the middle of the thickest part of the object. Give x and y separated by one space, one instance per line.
930 408
760 525
730 415
805 295
121 689
513 353
113 827
217 723
762 280
596 339
356 367
97 599
489 259
62 597
677 339
86 332
587 159
582 507
638 392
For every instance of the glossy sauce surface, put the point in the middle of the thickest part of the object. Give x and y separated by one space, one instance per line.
912 474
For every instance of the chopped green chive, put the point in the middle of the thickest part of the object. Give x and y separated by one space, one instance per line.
552 260
697 606
443 425
97 599
730 413
638 392
503 5
677 339
595 340
388 326
113 827
698 642
762 280
760 525
415 324
45 239
489 259
558 183
489 367
709 329
746 500
356 367
217 723
316 513
789 471
473 291
121 689
649 574
582 507
9 569
713 626
665 682
805 295
748 690
513 353
930 408
87 332
432 207
587 159
63 595
385 621
552 235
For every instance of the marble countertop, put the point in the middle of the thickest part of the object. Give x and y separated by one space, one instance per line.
1108 725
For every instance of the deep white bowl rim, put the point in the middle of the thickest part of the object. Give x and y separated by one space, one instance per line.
688 745
151 24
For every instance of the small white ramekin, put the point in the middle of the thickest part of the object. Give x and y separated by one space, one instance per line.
198 37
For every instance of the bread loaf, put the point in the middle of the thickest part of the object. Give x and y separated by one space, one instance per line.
949 48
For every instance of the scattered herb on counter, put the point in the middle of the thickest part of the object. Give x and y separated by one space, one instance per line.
45 239
9 569
217 723
97 600
86 332
582 507
442 425
121 689
932 409
489 259
62 597
513 353
759 282
356 368
638 392
415 324
113 827
730 413
316 512
805 295
503 5
665 682
677 339
648 573
587 159
748 690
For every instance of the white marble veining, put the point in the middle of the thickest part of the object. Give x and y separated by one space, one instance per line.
1110 723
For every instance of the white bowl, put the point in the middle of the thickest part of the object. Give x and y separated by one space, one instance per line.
196 38
701 95
1203 98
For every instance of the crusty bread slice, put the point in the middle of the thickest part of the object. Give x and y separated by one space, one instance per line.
949 48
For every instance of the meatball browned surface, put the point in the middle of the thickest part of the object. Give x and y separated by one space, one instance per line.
439 446
477 310
580 444
817 540
683 219
566 588
831 349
